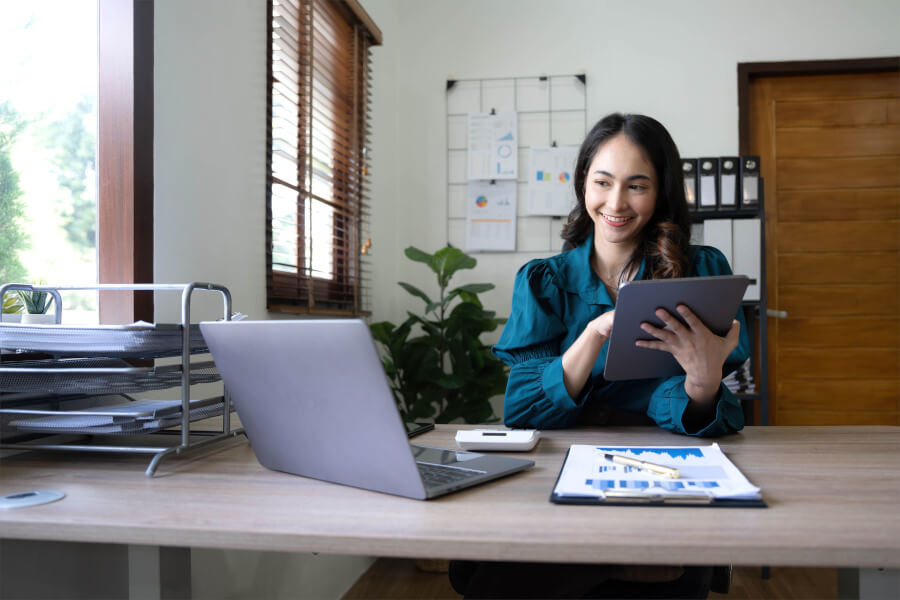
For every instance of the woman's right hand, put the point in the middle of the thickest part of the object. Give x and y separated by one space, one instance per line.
602 325
579 359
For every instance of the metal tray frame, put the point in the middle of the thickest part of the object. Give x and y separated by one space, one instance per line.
188 440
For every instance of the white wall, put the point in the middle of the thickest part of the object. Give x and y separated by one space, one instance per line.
210 148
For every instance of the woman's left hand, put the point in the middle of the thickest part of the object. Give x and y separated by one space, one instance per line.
699 351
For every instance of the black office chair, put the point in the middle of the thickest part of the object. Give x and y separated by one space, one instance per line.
481 579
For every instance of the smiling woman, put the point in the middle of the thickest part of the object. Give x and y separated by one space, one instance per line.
630 222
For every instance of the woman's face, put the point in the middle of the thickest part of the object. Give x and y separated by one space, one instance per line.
620 192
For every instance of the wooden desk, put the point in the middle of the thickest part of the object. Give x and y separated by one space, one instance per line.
833 494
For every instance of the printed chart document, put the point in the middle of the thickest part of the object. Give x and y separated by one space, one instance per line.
706 477
493 146
491 215
551 190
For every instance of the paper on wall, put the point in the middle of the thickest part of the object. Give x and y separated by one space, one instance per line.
491 215
493 146
550 180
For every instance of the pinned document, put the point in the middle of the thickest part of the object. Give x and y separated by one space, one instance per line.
551 189
709 176
491 215
493 145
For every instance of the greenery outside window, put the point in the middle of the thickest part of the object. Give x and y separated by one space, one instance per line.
318 102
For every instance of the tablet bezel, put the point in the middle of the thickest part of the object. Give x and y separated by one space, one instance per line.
716 300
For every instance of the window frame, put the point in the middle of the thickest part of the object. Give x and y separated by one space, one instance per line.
301 291
125 157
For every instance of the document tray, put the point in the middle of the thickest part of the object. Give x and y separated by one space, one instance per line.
137 340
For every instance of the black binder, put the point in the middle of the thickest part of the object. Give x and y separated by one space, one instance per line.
750 172
689 167
729 186
708 188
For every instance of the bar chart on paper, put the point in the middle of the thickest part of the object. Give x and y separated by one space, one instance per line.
703 470
611 476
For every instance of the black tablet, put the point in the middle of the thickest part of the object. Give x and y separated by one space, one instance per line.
714 299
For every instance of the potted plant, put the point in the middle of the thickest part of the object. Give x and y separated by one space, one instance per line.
12 308
36 306
438 367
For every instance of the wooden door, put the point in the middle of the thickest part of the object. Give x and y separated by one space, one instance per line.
830 154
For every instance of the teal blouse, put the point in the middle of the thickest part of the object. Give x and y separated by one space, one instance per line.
553 301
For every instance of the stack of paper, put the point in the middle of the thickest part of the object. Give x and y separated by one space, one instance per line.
741 380
139 416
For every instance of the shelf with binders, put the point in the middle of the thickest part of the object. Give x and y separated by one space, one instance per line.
740 234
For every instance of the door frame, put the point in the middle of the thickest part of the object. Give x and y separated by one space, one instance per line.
749 71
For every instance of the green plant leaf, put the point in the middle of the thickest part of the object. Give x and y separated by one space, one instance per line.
415 291
448 261
450 382
475 288
381 331
470 298
422 408
12 304
413 253
36 303
431 328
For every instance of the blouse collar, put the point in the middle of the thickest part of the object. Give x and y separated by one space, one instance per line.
577 276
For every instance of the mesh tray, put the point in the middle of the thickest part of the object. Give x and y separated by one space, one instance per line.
97 376
138 340
126 419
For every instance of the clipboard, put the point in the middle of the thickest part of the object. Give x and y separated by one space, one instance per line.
639 498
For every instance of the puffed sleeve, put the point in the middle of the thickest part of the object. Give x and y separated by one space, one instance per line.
669 400
536 396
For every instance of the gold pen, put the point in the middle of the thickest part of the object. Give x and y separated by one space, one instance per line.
670 472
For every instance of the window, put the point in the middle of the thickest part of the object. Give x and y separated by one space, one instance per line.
48 126
120 34
316 194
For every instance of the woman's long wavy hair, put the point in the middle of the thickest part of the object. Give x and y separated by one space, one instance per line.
665 239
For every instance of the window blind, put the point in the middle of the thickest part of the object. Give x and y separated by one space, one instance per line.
317 202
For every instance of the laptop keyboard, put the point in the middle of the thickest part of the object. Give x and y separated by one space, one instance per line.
435 475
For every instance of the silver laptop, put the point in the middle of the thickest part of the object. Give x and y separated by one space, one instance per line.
314 401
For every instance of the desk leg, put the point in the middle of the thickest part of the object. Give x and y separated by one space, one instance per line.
879 583
159 573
